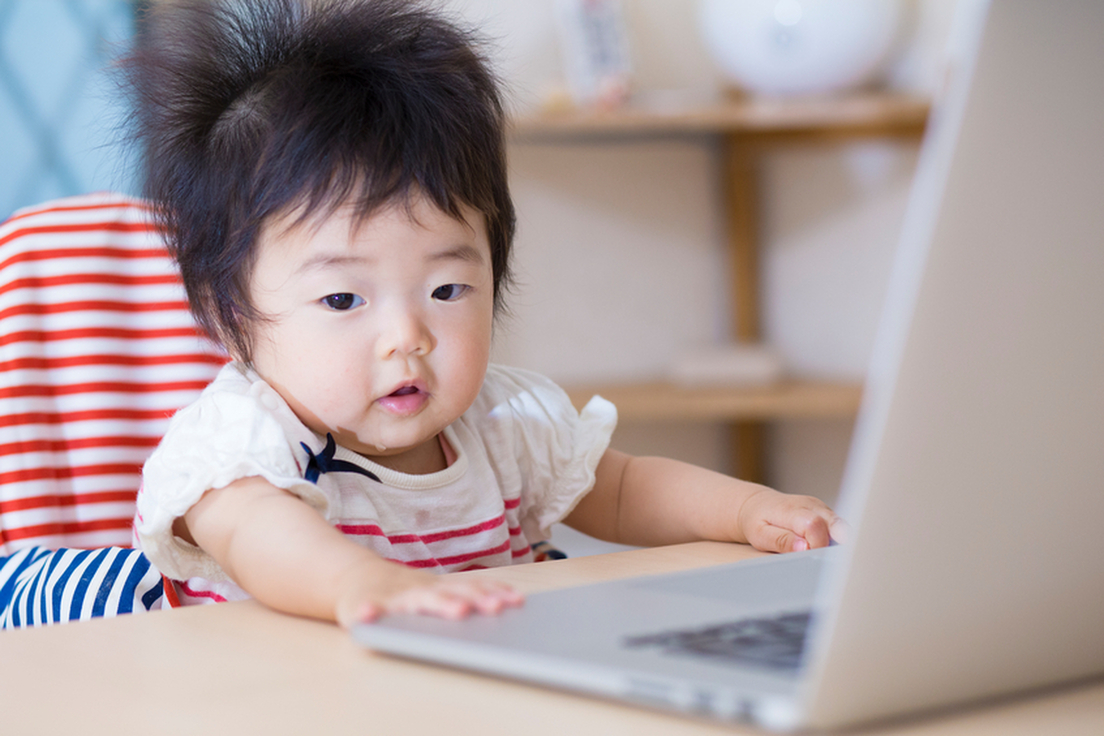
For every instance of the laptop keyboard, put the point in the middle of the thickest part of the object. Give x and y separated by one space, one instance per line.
774 642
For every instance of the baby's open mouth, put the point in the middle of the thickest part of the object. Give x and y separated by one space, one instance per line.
405 400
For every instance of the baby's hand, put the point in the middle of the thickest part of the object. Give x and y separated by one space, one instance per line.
404 590
779 522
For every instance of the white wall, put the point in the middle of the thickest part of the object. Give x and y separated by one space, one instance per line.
620 247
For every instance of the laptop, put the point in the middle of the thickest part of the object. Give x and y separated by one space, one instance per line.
975 482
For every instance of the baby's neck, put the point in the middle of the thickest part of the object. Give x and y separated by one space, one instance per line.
432 456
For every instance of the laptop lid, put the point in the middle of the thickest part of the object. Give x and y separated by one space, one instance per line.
976 478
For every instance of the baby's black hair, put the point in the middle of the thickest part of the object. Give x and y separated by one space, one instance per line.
249 109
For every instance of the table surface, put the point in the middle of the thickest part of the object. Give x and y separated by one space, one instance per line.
241 668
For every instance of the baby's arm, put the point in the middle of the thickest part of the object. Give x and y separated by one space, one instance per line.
286 555
653 501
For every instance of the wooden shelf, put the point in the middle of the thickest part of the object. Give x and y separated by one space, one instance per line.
746 127
791 399
858 114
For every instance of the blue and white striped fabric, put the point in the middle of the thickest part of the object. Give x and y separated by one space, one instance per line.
41 586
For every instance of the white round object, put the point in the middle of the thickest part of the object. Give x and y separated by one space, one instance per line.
793 47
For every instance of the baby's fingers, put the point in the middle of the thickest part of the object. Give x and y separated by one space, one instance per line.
771 538
801 531
455 599
496 597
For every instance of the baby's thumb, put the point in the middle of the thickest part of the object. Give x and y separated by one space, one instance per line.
778 539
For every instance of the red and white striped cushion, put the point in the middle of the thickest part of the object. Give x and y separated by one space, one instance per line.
97 350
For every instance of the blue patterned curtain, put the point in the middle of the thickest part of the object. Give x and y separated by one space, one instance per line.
60 113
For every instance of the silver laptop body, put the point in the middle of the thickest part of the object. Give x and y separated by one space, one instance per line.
975 481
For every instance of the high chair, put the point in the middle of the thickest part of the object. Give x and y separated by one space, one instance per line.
97 350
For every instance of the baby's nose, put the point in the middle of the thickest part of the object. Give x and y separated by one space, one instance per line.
405 333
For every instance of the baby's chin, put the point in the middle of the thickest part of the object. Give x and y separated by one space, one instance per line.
369 444
416 459
372 448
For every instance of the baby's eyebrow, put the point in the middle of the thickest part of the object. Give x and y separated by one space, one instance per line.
463 252
328 260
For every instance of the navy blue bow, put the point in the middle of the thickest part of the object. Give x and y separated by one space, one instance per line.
324 462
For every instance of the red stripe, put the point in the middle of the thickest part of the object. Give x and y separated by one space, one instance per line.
62 529
84 251
111 204
476 529
85 227
116 333
93 306
104 386
458 559
112 279
114 414
84 443
200 593
19 476
59 501
420 564
97 224
38 363
170 592
455 559
512 503
373 530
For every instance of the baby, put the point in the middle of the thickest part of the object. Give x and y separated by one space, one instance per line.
332 181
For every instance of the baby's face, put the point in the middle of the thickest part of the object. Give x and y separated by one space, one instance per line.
378 334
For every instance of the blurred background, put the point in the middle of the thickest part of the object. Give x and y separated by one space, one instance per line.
621 249
59 110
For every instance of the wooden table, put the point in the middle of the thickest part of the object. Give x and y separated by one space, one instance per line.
240 668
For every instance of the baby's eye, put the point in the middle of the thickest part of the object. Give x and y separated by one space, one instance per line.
342 302
449 292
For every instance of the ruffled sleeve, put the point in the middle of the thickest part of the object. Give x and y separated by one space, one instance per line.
239 428
543 444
